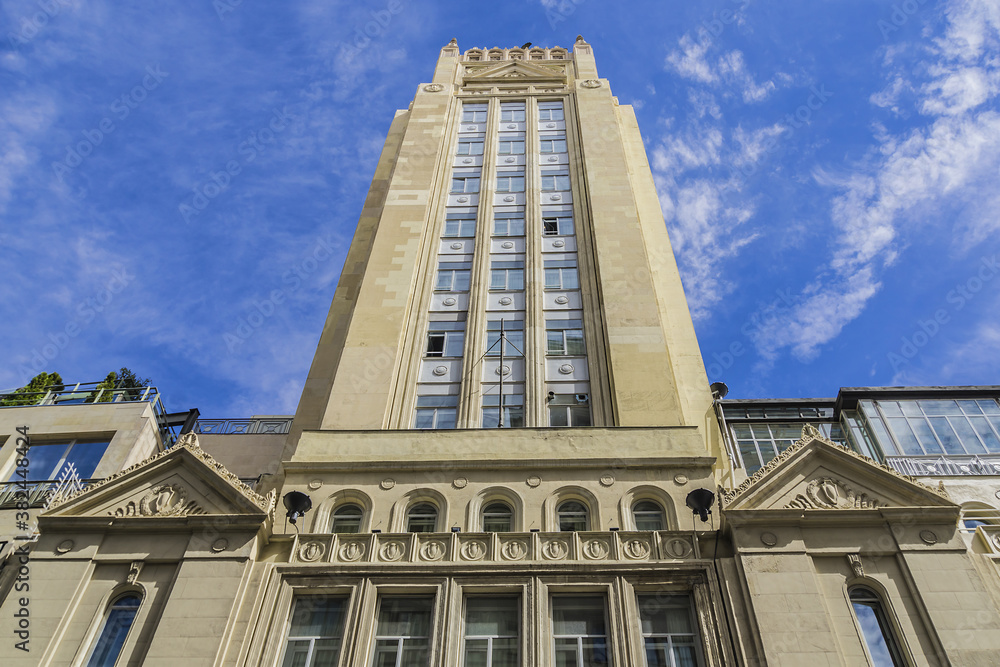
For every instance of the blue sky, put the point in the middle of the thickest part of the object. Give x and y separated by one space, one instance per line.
827 170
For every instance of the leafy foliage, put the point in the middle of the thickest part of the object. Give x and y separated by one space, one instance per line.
30 393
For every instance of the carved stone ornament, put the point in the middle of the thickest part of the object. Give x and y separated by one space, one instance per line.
607 480
533 481
514 550
133 572
555 550
433 87
162 500
506 301
432 550
467 160
680 479
440 370
474 550
595 549
553 158
555 197
636 549
502 370
591 83
558 243
562 299
311 552
65 547
220 545
509 198
768 539
392 551
550 125
387 483
510 160
456 246
352 551
566 369
830 493
854 560
463 200
507 244
449 301
928 537
678 548
460 482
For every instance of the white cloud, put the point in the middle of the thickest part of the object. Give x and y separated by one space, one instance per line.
689 61
730 70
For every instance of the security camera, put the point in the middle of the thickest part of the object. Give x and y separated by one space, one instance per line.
582 398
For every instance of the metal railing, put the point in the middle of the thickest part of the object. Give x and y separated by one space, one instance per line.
945 466
252 426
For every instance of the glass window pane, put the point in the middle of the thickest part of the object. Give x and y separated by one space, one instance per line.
491 617
904 436
989 407
43 460
926 436
871 629
405 617
940 408
982 427
85 456
944 432
970 442
118 622
578 616
296 653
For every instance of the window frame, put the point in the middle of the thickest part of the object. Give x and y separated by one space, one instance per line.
513 108
511 145
104 627
545 107
560 511
471 113
451 335
470 184
436 411
463 228
518 609
401 639
560 274
288 637
509 514
559 228
883 617
341 508
567 598
552 145
512 412
493 327
470 142
510 182
660 511
517 216
68 446
571 410
424 517
513 276
557 179
461 273
557 331
682 601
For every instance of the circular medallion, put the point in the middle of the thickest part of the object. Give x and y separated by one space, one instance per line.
680 479
470 128
562 299
474 550
507 244
928 537
533 481
509 160
550 125
566 369
553 158
220 545
514 550
556 197
506 301
440 370
555 550
315 484
392 551
595 549
352 551
462 200
558 243
433 87
997 494
509 198
768 539
678 548
432 550
311 551
460 482
456 246
511 126
607 480
591 83
387 483
636 549
449 301
65 546
467 160
502 370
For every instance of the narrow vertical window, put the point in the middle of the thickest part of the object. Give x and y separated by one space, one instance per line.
668 633
316 632
513 333
436 411
561 274
509 224
498 517
513 410
512 112
507 275
875 629
569 410
648 516
347 519
445 339
579 630
422 518
557 225
118 621
403 637
491 632
573 515
564 337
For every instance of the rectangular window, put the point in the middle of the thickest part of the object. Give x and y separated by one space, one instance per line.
510 182
561 274
460 225
931 427
579 631
557 225
564 337
492 627
48 460
513 331
464 184
759 443
553 145
555 182
445 339
469 147
513 410
474 113
569 410
512 112
511 147
508 224
315 632
548 113
436 412
453 277
668 632
403 637
507 276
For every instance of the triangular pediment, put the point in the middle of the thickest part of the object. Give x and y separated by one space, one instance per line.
181 483
517 70
817 474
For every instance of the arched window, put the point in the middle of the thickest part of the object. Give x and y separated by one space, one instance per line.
498 517
975 515
422 518
117 622
648 516
573 515
875 628
347 519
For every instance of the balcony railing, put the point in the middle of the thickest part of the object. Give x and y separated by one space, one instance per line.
945 466
252 426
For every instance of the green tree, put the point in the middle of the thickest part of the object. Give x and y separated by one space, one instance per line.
33 392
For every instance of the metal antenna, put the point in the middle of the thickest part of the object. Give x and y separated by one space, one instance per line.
503 341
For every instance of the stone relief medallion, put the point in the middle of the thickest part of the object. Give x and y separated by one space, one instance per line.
474 550
506 301
830 493
456 246
468 160
502 370
387 483
556 197
352 551
463 200
440 370
562 299
509 198
768 539
433 87
511 126
65 546
533 481
220 545
595 549
553 158
555 550
591 83
680 479
460 482
928 537
997 494
510 160
636 549
558 243
392 551
162 500
450 301
432 550
550 125
678 548
315 484
507 244
514 550
607 480
311 551
566 369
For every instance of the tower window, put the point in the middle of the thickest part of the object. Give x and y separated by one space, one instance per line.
315 632
553 145
561 274
507 275
445 339
422 518
513 410
648 515
569 410
459 225
436 412
474 113
508 224
512 112
876 631
511 147
557 225
564 337
513 331
573 516
347 519
403 637
555 182
464 184
470 147
118 621
549 111
579 631
491 632
668 632
510 183
498 517
453 277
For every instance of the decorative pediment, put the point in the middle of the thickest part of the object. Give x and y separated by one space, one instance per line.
181 482
817 474
517 70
